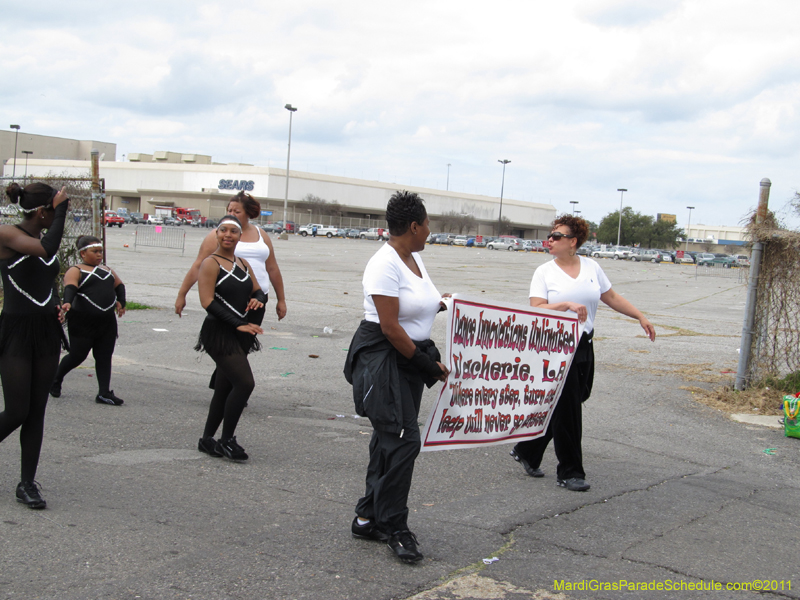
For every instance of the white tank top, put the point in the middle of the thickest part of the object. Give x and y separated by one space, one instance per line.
256 253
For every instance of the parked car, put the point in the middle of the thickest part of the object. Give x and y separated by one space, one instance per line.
615 252
644 254
326 230
289 227
373 233
666 255
460 240
137 217
742 260
172 221
725 261
269 227
504 243
155 220
110 218
353 233
703 256
480 241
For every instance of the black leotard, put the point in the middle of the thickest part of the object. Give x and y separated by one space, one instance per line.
233 289
92 312
29 321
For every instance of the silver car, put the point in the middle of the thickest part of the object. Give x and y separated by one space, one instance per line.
645 255
504 244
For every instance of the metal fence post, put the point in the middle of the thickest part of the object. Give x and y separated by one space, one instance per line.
97 199
745 348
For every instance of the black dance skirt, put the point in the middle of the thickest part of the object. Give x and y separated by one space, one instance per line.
220 339
91 326
34 335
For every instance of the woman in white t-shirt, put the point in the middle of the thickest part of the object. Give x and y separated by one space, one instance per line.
577 284
391 359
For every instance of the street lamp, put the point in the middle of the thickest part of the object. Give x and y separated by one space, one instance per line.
448 177
573 202
26 153
16 135
691 208
502 185
291 110
619 229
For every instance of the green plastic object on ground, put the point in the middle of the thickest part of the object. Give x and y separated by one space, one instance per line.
791 411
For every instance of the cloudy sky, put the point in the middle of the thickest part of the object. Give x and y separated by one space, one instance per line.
682 102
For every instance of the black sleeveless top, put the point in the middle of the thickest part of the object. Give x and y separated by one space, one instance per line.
29 321
92 313
233 290
95 292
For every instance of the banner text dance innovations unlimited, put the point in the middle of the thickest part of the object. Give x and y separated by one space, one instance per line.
507 367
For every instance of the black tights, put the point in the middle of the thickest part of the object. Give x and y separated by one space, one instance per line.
102 349
26 385
232 388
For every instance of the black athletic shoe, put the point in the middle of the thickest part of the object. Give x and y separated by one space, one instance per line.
209 446
525 465
55 389
108 398
368 531
28 494
231 449
404 545
575 484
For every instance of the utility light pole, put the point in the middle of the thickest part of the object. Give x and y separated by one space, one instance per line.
448 177
16 135
291 110
619 229
573 202
691 208
26 153
502 185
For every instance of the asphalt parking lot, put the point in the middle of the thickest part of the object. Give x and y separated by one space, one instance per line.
680 493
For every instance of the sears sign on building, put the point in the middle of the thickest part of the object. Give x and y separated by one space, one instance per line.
236 184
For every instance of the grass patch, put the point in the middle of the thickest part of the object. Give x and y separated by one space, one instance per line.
137 306
755 400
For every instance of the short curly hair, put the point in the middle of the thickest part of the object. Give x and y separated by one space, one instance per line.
577 227
403 209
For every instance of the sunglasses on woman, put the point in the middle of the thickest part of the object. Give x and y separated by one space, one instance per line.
557 235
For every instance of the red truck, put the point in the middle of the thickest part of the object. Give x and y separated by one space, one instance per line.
186 215
110 218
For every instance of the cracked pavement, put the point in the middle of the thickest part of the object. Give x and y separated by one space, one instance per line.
679 491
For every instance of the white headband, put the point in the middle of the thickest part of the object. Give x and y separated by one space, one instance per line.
93 245
231 221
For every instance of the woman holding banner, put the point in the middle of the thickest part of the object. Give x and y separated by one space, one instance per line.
390 359
577 284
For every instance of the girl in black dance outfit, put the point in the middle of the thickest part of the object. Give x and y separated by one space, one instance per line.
228 291
92 292
30 331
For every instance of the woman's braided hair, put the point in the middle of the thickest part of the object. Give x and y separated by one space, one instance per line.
403 209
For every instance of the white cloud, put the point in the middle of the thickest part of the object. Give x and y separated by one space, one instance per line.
683 102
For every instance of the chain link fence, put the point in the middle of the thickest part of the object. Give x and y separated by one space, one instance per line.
776 341
79 216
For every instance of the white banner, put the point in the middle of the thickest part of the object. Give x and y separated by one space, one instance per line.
508 363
